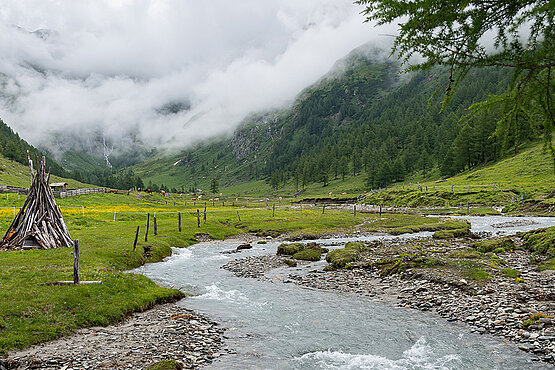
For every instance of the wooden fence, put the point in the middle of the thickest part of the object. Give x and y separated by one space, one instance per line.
71 193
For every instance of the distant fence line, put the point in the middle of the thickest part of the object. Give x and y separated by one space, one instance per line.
57 193
71 193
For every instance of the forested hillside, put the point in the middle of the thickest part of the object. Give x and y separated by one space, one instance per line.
13 147
367 121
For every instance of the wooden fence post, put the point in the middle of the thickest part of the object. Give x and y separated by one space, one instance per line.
380 210
204 212
239 217
155 225
355 210
198 218
323 208
301 208
179 220
136 238
76 261
273 210
147 222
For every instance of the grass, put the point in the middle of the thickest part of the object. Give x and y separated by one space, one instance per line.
518 183
541 241
31 312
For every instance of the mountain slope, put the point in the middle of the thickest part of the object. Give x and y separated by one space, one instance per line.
362 119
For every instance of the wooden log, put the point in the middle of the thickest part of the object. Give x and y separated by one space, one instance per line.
76 261
136 238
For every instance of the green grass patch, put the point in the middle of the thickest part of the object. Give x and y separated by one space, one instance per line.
549 265
494 245
541 241
477 274
510 273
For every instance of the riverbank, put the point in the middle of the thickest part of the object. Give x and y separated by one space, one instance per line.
502 294
167 332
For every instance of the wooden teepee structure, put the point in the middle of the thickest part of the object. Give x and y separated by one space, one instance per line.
39 223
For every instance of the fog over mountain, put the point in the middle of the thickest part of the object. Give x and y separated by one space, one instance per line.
164 72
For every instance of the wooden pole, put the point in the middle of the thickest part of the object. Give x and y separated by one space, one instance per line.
198 218
274 210
355 210
155 225
301 208
380 210
239 217
76 261
179 220
114 216
204 212
136 238
147 222
467 208
323 208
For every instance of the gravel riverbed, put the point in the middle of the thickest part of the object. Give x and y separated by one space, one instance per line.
165 332
519 310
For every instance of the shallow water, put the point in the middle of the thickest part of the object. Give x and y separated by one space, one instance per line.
275 325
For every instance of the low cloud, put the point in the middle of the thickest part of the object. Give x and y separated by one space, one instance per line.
168 72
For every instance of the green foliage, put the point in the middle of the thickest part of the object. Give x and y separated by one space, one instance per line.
511 273
214 186
477 274
534 319
452 34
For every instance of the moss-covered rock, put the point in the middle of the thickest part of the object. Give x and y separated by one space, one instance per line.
289 249
340 257
290 262
307 254
541 241
450 234
500 245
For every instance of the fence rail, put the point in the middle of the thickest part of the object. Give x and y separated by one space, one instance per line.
71 193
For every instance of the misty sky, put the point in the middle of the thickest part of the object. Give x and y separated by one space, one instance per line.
111 66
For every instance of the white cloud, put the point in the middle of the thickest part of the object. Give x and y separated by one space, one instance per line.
110 65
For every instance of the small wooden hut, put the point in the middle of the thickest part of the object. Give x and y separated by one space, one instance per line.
39 223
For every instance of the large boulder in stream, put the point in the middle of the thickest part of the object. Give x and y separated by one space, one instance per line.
339 258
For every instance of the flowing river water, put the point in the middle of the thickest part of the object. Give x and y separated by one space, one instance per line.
275 325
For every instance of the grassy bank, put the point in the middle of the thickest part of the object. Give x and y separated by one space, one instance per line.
31 312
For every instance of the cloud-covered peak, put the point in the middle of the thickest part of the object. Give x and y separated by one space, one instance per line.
174 71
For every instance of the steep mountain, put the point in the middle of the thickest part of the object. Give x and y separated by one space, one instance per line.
362 118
